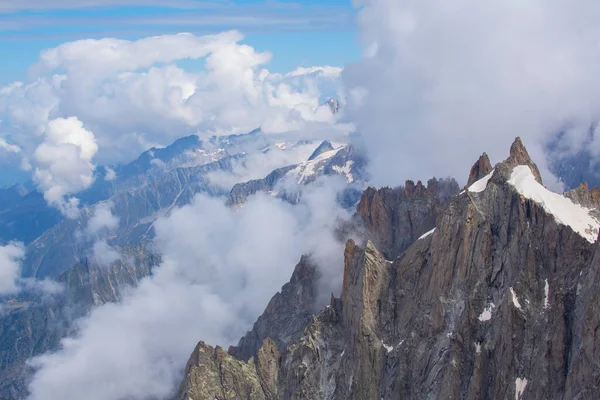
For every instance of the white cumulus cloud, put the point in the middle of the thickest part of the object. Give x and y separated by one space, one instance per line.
134 95
64 162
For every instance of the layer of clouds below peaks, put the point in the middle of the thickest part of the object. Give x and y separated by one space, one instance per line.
220 268
102 223
441 82
11 282
10 267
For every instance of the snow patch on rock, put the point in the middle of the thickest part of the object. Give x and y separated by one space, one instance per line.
520 385
423 236
388 348
515 299
345 170
546 294
486 314
310 168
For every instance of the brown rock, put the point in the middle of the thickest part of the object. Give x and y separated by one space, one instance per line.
395 218
500 302
519 156
480 169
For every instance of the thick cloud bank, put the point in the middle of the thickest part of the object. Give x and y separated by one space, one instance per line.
442 81
221 266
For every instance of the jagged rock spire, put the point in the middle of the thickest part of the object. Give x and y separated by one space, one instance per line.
481 168
519 156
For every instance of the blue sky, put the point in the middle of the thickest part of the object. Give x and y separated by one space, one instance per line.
298 33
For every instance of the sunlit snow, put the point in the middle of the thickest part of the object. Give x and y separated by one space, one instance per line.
310 168
481 184
388 348
563 210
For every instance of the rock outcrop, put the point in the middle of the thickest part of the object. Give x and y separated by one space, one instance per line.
500 301
286 315
481 168
395 218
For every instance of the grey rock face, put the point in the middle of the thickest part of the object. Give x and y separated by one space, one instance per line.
323 147
286 315
395 218
213 374
499 302
241 191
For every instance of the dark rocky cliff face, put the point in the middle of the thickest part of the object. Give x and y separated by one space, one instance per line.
395 218
286 315
499 302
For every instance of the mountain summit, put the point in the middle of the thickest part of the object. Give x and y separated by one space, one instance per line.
496 299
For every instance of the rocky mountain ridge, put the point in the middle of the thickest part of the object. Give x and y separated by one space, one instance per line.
499 301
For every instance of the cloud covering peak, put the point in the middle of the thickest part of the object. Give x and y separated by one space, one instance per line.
440 82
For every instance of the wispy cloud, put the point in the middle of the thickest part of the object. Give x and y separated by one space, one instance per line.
35 18
10 6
